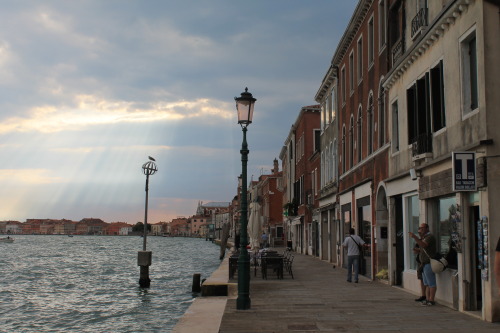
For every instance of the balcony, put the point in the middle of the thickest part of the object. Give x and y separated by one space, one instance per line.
422 146
419 22
397 50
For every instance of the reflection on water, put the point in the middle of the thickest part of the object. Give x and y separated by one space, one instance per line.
90 283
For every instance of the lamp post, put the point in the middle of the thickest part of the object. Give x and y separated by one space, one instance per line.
144 257
244 106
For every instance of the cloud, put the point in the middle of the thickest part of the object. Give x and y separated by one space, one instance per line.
27 176
90 110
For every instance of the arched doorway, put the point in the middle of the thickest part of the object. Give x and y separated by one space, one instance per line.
382 225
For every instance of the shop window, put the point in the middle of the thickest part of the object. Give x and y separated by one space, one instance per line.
448 217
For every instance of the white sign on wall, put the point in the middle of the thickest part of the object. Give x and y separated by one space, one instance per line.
464 171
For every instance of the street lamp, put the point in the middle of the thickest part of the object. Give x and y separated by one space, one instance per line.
244 107
144 257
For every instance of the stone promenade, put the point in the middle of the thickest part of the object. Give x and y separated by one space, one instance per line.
320 299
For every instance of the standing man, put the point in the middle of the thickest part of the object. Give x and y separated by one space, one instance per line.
264 240
354 245
420 268
428 250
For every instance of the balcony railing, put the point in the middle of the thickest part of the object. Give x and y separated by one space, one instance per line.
422 144
397 50
419 21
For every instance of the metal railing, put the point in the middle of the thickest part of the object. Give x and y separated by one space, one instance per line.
422 144
398 50
419 21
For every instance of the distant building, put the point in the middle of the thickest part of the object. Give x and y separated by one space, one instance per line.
116 227
91 226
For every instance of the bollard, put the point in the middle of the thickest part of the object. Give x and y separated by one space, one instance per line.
196 283
144 261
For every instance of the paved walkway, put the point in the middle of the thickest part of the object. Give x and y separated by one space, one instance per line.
320 300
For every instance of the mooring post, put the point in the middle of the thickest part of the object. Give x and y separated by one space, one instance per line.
144 261
196 283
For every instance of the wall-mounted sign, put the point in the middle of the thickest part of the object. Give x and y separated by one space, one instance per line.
464 171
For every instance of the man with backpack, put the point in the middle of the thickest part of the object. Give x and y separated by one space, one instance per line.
354 245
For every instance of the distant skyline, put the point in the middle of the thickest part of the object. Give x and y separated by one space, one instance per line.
90 89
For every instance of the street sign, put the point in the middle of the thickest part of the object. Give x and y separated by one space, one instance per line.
464 171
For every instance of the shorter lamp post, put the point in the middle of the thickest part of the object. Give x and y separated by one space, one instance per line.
144 257
244 106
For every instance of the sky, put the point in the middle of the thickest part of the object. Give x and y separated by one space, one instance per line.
89 89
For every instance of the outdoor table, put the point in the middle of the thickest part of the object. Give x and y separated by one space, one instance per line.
272 261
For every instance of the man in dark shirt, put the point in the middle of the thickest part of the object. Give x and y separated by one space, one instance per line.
428 249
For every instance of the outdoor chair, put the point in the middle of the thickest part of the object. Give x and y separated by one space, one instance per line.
288 265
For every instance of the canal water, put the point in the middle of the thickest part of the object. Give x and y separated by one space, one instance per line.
90 283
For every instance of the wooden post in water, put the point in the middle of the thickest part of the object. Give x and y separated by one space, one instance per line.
196 283
144 261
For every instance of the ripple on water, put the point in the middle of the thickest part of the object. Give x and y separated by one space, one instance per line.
90 283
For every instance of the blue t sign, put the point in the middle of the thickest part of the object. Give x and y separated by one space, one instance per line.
464 171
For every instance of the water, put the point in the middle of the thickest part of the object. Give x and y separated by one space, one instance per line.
90 283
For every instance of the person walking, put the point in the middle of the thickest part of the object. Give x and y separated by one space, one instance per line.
354 245
428 249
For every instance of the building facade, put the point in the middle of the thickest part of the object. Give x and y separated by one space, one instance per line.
355 153
302 190
444 165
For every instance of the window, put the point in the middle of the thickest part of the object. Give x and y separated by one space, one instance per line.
343 157
395 127
328 109
369 117
343 85
351 71
437 97
426 111
370 41
333 104
298 190
469 73
313 182
382 13
381 116
360 136
351 143
448 217
360 59
317 140
327 175
323 115
334 160
323 167
412 222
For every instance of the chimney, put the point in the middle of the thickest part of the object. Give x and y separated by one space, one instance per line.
276 168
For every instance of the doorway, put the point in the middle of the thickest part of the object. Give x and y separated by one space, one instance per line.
475 294
399 240
365 232
346 219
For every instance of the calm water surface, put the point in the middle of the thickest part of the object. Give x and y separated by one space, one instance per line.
90 283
